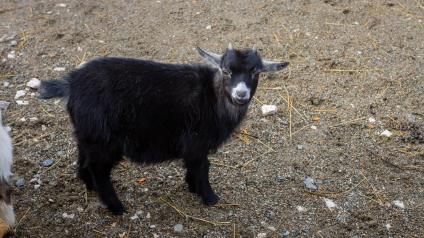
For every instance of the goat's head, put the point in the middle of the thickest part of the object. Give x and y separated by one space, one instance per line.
240 71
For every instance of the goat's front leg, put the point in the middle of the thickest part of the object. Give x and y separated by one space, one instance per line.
197 178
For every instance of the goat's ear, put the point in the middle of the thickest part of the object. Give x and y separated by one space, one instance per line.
213 58
273 66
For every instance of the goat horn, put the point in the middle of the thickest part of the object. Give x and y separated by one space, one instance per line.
230 46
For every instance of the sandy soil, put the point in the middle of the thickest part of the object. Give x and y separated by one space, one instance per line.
350 61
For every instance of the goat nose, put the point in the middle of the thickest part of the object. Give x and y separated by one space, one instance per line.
241 93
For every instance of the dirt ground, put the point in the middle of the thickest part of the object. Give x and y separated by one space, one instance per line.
356 70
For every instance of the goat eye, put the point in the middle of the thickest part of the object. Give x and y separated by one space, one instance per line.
226 72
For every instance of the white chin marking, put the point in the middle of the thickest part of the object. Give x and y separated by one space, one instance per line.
240 87
7 214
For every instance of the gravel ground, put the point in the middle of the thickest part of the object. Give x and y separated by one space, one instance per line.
347 160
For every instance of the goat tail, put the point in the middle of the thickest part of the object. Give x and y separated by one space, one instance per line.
58 88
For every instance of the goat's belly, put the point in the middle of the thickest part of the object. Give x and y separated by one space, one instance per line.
148 155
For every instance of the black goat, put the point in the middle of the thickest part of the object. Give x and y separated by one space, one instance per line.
153 112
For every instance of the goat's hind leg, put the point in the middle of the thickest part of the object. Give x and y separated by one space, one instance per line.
83 170
100 164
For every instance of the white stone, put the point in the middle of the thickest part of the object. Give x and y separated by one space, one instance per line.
371 120
399 204
43 127
134 217
6 84
152 226
208 27
148 215
301 209
34 83
19 94
61 5
261 235
330 203
388 226
314 127
386 133
37 186
268 110
59 69
13 43
33 119
22 102
11 55
271 228
178 228
68 216
23 119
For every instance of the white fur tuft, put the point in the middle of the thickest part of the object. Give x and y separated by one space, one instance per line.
6 213
5 154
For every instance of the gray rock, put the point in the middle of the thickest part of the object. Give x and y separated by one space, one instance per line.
280 179
285 233
178 228
4 105
47 163
20 182
310 183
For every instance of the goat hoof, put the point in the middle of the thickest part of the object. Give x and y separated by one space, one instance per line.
210 199
116 209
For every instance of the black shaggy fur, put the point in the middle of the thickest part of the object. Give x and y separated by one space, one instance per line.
150 112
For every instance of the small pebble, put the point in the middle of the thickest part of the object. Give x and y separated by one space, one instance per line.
280 179
208 27
13 43
178 228
47 163
301 209
22 102
20 182
285 233
261 235
310 183
399 204
371 120
11 55
43 127
268 110
34 83
271 228
300 147
330 203
4 105
313 127
316 101
152 226
61 5
33 119
59 69
134 217
19 94
6 84
386 133
37 186
68 216
148 215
